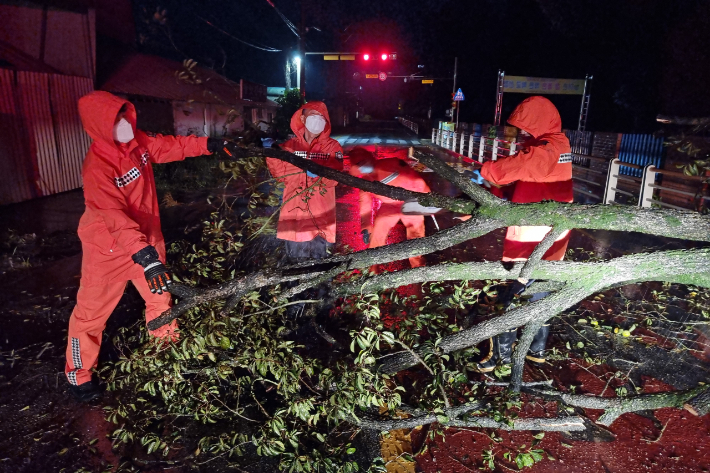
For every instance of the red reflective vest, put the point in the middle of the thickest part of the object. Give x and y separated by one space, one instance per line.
121 215
301 220
542 170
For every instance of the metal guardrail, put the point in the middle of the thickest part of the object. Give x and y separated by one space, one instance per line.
473 146
409 124
640 189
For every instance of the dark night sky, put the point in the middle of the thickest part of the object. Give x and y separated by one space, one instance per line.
647 56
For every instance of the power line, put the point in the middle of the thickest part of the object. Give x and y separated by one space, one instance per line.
288 22
264 48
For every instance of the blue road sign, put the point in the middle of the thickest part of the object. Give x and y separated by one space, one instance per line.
459 96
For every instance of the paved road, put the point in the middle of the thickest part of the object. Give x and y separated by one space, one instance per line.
380 132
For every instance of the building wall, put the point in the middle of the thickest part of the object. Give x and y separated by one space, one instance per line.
200 119
63 40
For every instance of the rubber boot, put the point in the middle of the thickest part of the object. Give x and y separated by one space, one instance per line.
536 353
501 353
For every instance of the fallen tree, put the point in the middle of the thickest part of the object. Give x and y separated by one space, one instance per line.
232 366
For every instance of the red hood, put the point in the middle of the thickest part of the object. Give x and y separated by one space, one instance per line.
299 128
98 112
537 116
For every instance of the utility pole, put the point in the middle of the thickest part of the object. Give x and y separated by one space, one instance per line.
301 74
458 110
456 63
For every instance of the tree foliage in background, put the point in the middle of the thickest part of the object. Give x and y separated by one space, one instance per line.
290 102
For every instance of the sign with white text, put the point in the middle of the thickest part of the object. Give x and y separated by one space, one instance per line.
540 85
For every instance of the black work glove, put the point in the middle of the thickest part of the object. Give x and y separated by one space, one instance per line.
365 236
155 272
226 149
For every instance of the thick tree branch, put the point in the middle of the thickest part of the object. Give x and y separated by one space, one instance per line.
415 421
521 349
684 266
559 424
699 405
474 191
236 287
622 218
616 406
665 222
472 228
431 199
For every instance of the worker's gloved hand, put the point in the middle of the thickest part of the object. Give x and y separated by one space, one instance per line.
267 142
155 272
365 236
478 179
222 148
311 175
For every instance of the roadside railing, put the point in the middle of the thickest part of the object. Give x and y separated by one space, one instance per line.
409 124
654 188
473 146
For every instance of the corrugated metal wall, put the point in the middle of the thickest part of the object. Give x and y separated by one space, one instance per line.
44 146
641 150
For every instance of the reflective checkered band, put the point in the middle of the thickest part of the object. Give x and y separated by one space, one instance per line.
305 154
71 376
144 158
76 353
127 178
390 178
565 158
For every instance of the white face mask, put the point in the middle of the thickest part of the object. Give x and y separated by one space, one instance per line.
366 168
123 131
315 123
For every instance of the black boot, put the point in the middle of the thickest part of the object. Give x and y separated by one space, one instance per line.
88 391
502 351
536 354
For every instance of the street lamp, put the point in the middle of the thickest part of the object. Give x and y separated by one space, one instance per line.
297 61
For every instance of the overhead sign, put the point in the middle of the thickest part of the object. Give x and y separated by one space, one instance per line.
371 76
427 81
383 76
540 85
459 96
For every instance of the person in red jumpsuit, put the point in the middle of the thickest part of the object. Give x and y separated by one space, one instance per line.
541 170
307 216
393 172
120 229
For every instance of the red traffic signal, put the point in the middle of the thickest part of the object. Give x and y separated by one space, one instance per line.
366 57
384 57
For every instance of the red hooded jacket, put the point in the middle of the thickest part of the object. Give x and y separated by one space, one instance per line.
536 170
537 173
121 215
301 220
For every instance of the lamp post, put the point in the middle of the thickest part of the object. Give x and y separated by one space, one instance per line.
297 61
